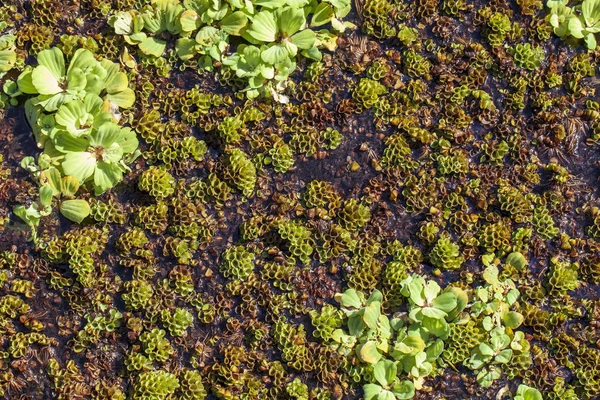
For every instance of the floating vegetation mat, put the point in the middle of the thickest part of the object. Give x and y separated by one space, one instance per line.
299 199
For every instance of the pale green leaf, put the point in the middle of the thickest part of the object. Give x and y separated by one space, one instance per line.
517 260
349 298
576 27
185 48
290 20
69 186
445 302
46 194
190 21
322 15
368 352
371 391
513 319
75 210
153 47
80 165
67 143
263 27
106 135
122 22
372 313
44 81
384 372
51 178
106 176
24 81
304 39
234 23
117 83
53 61
124 98
591 11
84 60
404 390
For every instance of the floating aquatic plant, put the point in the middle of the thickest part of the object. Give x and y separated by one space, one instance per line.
73 111
275 32
581 21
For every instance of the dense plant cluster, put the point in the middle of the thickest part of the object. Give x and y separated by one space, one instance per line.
263 201
275 32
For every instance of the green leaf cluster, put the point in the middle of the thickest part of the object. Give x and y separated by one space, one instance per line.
8 55
581 21
273 34
73 110
398 350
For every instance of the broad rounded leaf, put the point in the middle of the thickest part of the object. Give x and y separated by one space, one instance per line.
342 7
117 83
349 298
66 143
434 350
504 356
124 98
404 390
24 81
372 313
74 117
376 295
517 260
263 27
290 20
499 341
490 275
106 135
436 326
80 165
190 21
445 302
8 58
44 81
68 186
385 372
234 23
122 22
51 178
153 47
84 60
368 352
576 26
486 378
185 48
371 391
75 210
433 312
322 15
411 345
207 36
106 176
304 39
591 11
46 194
590 41
486 349
513 319
128 141
356 325
54 61
528 393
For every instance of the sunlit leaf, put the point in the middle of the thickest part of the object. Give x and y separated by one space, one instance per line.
75 210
